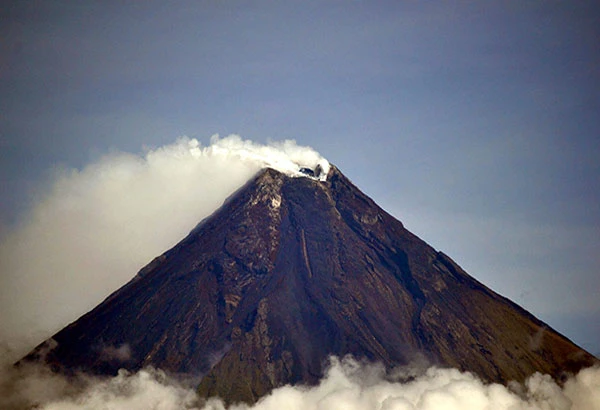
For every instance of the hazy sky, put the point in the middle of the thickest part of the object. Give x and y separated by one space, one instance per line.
477 124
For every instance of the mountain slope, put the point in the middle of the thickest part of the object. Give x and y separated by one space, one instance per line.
290 271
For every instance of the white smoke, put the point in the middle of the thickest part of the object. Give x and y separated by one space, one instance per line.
95 228
285 156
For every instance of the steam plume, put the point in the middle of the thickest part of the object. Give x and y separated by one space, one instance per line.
96 227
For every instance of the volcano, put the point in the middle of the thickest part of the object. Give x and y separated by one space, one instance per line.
290 271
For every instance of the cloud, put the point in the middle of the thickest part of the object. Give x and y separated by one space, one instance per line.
146 389
35 386
94 228
119 354
348 385
352 386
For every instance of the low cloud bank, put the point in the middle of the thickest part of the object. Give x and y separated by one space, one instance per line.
347 385
95 228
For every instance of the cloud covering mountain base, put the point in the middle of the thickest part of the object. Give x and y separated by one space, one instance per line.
347 385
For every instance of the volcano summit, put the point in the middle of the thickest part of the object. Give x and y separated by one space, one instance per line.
294 269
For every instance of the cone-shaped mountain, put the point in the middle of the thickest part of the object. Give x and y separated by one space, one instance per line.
291 270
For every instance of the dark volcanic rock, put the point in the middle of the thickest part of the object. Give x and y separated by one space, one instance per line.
292 270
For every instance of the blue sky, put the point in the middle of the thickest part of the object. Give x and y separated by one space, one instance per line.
474 123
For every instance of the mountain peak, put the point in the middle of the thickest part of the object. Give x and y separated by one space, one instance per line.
293 269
